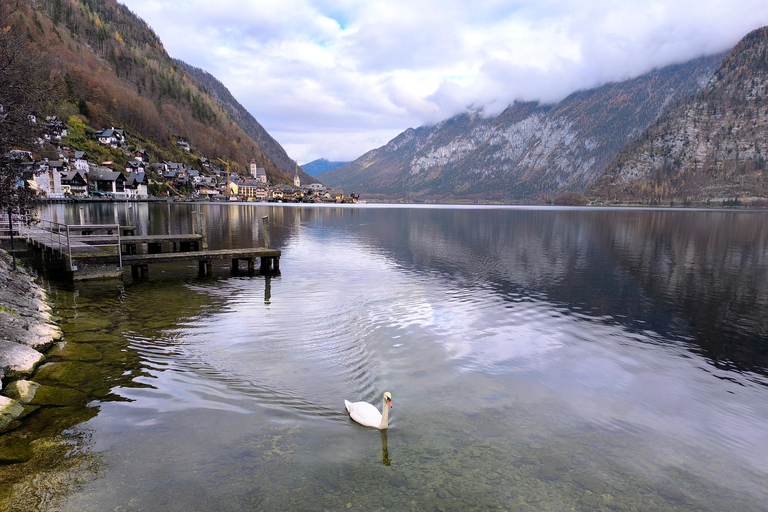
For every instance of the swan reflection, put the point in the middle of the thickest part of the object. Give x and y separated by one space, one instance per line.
384 449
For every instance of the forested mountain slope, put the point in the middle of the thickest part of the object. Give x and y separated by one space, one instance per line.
116 73
271 148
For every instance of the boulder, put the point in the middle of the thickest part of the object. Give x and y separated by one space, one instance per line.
17 360
10 409
23 391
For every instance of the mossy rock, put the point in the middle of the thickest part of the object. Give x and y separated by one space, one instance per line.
9 410
51 395
21 390
73 374
28 409
95 337
77 352
14 450
51 421
87 323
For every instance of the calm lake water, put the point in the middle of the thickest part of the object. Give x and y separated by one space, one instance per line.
538 359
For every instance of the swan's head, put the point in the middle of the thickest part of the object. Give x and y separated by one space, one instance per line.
388 398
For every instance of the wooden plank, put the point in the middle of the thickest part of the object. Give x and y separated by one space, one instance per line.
135 239
142 259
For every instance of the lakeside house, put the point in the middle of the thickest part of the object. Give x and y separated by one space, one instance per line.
103 180
137 185
81 161
73 183
45 177
249 189
111 137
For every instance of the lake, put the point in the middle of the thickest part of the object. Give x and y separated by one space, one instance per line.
538 359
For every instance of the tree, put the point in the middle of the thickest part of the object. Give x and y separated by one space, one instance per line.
570 199
26 88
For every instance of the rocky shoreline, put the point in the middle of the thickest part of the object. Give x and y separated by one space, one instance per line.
26 331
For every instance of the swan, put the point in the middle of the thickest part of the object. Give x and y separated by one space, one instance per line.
366 414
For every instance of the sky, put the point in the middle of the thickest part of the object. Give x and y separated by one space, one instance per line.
336 78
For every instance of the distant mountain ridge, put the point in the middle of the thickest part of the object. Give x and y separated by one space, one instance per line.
529 151
711 146
315 167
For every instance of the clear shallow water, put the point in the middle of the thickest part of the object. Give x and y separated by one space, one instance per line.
538 360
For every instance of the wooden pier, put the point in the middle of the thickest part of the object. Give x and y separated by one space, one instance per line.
270 260
97 251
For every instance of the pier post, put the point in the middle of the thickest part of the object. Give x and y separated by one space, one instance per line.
203 231
265 228
198 227
204 268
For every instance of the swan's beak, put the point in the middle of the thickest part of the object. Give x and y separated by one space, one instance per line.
390 403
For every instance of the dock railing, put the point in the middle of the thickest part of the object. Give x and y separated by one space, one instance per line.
15 220
61 239
95 235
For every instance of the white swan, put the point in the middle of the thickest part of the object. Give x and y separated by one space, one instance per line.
366 414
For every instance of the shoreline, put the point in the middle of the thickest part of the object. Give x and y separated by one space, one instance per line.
27 330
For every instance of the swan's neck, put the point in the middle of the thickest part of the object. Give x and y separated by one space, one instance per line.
384 416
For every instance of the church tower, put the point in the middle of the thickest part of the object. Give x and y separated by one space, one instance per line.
253 167
296 179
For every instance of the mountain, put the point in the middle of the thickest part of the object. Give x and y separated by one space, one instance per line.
711 146
529 151
271 148
315 167
114 72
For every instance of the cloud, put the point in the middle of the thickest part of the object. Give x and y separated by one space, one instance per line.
336 78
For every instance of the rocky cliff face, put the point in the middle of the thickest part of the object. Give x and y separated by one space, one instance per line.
529 151
712 146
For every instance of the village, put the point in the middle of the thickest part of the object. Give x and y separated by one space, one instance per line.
75 177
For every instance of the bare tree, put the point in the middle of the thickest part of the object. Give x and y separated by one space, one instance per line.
26 89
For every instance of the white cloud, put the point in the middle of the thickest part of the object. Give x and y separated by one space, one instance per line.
336 78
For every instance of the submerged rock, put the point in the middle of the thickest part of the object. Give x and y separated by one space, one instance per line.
14 450
23 391
72 374
10 409
76 352
58 396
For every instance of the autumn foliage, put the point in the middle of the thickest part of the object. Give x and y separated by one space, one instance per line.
117 73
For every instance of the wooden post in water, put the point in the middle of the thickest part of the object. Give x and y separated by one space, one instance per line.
265 228
203 232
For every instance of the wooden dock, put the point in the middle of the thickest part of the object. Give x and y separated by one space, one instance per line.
100 251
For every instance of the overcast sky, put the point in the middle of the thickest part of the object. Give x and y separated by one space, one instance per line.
336 78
